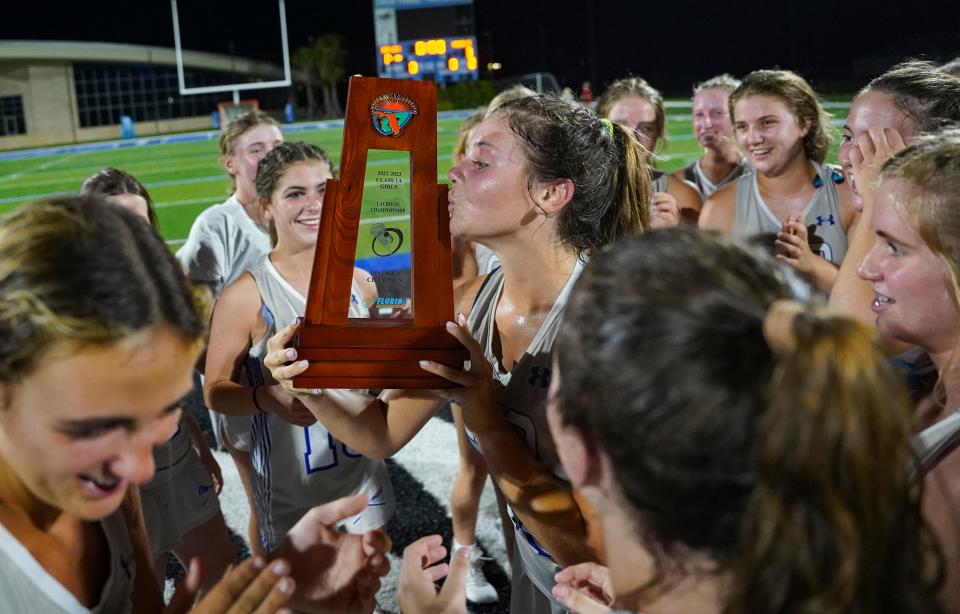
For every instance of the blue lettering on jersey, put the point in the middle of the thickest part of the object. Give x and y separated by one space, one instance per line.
322 455
829 220
539 376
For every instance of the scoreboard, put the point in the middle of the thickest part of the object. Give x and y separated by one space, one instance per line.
438 59
426 39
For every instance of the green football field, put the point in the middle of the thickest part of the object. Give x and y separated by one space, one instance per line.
185 177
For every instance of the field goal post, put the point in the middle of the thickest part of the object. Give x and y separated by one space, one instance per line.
229 111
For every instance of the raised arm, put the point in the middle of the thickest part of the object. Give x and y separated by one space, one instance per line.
237 321
377 427
545 505
851 294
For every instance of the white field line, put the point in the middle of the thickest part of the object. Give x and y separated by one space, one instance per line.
79 175
152 184
37 169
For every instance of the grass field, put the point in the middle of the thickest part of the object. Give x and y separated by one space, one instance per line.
185 177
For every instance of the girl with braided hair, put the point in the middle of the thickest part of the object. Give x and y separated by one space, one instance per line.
297 463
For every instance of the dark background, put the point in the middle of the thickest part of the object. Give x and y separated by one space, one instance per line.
672 44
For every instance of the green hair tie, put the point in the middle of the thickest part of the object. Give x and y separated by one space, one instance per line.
607 124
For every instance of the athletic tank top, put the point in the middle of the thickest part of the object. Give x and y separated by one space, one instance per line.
659 180
25 586
522 394
937 441
296 468
694 174
821 215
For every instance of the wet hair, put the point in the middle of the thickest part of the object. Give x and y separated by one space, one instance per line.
725 82
468 123
77 270
928 96
511 93
272 167
790 470
112 181
800 99
565 140
952 67
233 130
635 87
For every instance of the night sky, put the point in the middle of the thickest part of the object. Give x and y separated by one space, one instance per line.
671 44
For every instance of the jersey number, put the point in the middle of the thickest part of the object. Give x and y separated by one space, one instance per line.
322 453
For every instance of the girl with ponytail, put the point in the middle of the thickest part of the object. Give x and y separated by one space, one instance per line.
545 184
773 476
639 107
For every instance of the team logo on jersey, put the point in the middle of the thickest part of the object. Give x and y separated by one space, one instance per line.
539 376
391 113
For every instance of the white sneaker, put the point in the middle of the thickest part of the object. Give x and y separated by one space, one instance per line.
479 589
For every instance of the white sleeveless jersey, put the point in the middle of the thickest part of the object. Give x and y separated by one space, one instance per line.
694 174
25 586
523 398
659 180
821 215
296 468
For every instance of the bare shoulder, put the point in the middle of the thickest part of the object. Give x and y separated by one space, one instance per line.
465 294
719 212
687 196
239 295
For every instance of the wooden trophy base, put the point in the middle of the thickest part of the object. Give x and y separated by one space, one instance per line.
360 358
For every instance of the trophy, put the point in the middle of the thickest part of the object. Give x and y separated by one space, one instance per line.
385 223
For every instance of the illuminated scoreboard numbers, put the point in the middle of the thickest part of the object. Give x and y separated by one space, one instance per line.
440 59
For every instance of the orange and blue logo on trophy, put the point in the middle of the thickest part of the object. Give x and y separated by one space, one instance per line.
391 112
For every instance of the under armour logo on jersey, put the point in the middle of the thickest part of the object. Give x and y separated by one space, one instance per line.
539 376
829 220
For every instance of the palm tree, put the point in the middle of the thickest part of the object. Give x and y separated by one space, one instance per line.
323 62
330 59
303 60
